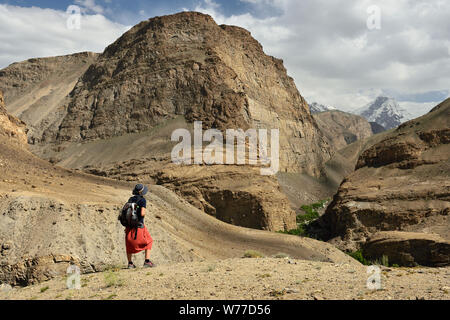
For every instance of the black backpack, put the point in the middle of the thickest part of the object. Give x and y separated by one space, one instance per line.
129 216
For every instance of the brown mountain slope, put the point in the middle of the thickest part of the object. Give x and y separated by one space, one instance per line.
163 73
185 64
402 183
341 164
341 128
36 90
145 157
51 217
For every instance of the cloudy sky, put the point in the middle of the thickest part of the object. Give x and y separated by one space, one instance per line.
341 53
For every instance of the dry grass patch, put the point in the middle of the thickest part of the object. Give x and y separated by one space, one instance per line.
112 279
253 254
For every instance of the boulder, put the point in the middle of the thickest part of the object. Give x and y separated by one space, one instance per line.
408 248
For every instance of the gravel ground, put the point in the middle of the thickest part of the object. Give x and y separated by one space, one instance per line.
246 279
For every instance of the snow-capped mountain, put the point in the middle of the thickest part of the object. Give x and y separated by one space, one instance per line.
386 112
317 108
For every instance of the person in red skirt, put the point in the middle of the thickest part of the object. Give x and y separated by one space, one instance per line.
142 241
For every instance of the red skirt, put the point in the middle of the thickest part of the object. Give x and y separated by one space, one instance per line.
142 242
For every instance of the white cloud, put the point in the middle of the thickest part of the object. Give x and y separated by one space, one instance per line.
325 45
35 32
90 6
417 109
336 60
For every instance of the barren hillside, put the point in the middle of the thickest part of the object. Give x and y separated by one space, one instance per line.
401 183
119 108
37 90
51 217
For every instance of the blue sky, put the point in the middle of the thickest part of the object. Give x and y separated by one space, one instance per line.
327 45
132 12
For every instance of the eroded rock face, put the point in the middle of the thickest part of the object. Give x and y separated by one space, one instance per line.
402 183
41 237
341 128
11 127
406 153
28 228
409 248
34 270
233 194
185 64
238 195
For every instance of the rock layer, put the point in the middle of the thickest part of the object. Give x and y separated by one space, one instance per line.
408 248
238 195
402 183
233 194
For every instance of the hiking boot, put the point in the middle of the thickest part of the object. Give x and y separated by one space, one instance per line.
149 264
131 266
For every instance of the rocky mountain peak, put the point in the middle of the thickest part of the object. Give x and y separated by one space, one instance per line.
315 107
380 100
385 111
187 65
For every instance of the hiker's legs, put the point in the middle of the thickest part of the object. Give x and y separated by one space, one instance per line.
149 247
129 257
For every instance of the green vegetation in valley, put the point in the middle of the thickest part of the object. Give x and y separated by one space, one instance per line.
383 261
303 220
358 255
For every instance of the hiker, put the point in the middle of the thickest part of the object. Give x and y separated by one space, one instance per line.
137 237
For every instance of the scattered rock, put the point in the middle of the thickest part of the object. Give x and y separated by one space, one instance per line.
292 290
4 287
